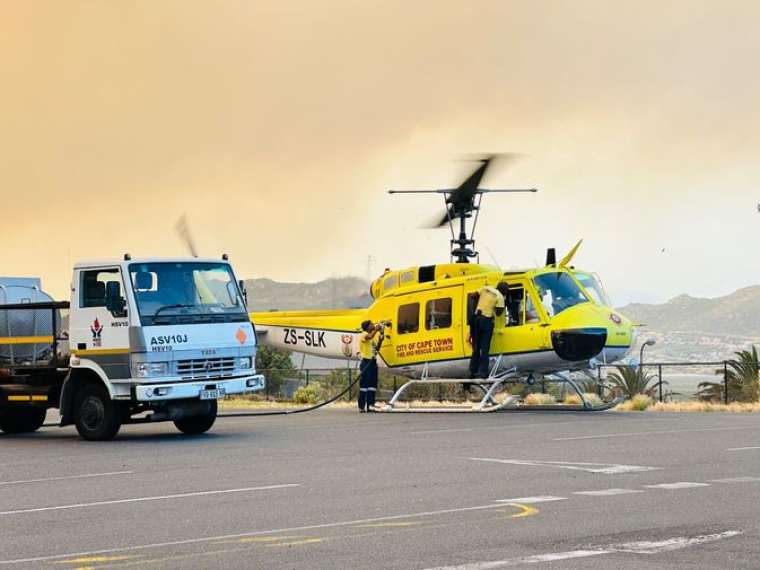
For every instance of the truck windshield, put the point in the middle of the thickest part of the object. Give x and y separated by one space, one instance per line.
593 286
186 292
558 291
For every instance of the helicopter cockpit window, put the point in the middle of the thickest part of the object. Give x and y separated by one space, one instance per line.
409 318
558 291
390 282
593 286
438 314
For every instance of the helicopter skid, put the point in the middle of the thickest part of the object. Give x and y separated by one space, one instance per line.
488 403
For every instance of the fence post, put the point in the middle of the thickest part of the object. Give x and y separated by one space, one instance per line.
440 392
350 379
725 382
599 387
659 374
307 378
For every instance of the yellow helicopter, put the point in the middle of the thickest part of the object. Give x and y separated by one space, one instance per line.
558 319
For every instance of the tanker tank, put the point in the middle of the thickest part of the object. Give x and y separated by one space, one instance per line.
18 323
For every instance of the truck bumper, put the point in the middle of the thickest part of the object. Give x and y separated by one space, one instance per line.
190 390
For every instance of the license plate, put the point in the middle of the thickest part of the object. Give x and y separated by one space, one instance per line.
212 394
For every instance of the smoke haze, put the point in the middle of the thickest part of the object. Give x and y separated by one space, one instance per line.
277 128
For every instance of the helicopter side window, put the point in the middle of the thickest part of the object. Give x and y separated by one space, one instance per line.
472 304
409 318
514 302
438 314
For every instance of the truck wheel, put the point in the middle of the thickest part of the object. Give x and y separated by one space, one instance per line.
198 424
96 416
22 419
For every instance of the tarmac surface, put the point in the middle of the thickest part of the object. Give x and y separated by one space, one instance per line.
336 489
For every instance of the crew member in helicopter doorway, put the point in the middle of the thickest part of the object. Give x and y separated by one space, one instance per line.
370 342
490 305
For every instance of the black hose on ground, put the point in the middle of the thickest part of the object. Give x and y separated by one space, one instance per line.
298 411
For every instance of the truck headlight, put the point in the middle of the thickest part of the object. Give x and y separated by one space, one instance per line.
149 369
246 363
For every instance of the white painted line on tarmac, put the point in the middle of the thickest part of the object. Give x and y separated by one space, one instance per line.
205 539
678 485
736 480
638 433
608 492
500 427
643 547
67 477
606 468
743 448
145 499
531 500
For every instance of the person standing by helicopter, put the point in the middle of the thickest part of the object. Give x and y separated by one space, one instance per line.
491 303
368 350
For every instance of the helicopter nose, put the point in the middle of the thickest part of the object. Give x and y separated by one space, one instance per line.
575 345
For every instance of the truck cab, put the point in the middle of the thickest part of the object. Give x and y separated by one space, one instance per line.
154 340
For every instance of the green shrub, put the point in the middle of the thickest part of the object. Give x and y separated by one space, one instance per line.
307 394
641 402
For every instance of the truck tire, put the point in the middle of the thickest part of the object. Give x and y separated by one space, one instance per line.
195 425
22 419
96 416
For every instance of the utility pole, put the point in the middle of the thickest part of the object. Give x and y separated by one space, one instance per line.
370 267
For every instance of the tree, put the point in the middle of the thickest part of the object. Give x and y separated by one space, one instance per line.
742 376
275 365
632 380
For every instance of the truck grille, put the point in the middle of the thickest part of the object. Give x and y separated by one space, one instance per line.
205 367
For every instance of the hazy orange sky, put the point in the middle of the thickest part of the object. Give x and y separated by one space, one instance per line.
278 126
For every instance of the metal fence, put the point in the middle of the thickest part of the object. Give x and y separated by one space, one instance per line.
672 381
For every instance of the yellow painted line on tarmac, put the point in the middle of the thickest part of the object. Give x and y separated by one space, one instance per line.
525 510
19 398
296 542
94 559
265 539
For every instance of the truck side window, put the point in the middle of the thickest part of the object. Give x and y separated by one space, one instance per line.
409 318
93 286
438 314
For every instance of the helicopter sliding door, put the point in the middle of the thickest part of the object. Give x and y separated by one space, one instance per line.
428 327
522 330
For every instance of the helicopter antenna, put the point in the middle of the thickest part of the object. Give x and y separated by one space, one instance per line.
460 203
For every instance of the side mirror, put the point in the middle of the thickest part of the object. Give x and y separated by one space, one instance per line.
115 303
241 284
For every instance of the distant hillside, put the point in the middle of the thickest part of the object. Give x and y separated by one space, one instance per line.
332 293
688 328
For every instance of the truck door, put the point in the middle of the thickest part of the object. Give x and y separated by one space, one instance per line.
98 332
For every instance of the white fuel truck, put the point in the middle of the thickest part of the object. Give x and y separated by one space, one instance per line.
142 340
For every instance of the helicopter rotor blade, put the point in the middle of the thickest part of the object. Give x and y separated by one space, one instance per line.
183 231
